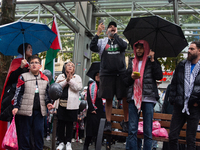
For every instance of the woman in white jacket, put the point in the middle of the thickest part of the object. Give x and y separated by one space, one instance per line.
68 104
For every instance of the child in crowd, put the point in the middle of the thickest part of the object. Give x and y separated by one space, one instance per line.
30 102
79 126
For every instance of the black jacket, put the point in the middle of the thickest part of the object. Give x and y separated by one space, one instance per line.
152 72
93 120
6 106
167 108
112 61
177 93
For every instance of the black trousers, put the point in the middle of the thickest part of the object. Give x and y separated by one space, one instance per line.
65 131
177 122
80 133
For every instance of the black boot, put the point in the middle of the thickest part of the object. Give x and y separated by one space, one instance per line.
108 126
124 126
87 142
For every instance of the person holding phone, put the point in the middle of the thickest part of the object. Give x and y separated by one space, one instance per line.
112 70
142 73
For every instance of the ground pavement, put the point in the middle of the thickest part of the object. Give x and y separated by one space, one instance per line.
78 146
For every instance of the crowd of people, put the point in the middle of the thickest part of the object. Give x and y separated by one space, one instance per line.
135 83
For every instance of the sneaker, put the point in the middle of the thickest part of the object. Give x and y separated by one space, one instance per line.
108 127
48 138
60 146
124 126
73 140
81 141
68 146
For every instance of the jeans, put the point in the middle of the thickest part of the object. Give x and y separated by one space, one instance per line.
177 122
132 141
28 123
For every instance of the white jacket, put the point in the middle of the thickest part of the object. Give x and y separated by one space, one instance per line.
75 85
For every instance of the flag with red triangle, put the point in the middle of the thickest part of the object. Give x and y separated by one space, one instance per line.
55 47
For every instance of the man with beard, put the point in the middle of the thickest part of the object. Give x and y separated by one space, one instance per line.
185 97
112 69
142 73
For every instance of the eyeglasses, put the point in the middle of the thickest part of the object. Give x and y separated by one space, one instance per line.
70 65
37 63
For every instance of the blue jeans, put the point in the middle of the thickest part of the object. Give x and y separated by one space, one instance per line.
28 123
132 141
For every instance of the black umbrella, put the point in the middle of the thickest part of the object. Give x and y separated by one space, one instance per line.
166 39
94 68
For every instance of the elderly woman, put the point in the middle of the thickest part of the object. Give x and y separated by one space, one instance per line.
68 104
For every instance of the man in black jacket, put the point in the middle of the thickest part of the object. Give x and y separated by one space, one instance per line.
185 97
142 93
112 69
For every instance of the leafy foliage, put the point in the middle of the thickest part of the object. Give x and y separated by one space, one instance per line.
170 63
95 57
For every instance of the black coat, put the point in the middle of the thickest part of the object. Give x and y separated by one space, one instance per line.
6 106
167 108
152 72
93 120
177 94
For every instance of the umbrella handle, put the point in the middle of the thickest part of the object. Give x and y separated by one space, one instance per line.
23 47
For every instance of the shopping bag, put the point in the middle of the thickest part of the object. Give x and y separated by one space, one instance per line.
10 138
156 125
162 132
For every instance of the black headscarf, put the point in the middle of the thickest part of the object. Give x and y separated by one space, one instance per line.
20 48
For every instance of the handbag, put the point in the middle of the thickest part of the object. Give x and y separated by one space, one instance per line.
10 139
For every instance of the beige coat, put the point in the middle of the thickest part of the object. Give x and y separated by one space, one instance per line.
75 85
26 106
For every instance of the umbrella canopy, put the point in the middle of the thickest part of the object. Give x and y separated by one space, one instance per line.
94 68
166 39
14 34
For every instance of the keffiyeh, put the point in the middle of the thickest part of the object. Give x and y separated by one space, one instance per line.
189 82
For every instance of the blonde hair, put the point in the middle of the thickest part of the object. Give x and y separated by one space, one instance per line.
73 65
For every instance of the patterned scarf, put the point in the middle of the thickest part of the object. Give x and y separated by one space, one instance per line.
138 83
93 93
189 82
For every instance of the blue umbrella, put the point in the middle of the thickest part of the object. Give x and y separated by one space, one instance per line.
14 34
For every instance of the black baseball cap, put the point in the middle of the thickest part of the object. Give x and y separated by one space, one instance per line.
112 23
138 44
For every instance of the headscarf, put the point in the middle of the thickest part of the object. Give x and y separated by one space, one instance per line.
138 84
22 47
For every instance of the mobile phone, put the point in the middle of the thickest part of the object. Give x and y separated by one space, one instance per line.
100 21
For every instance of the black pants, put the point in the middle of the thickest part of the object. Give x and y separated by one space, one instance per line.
65 131
88 140
80 133
177 122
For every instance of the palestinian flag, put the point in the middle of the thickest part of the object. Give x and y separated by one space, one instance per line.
55 47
